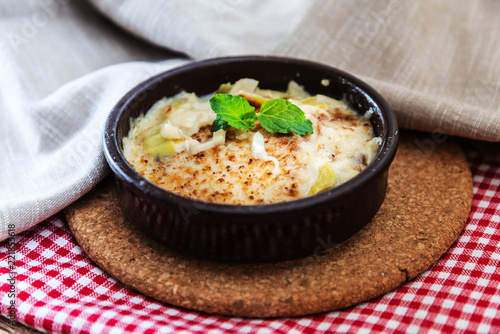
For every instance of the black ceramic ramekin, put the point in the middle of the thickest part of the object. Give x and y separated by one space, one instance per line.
252 233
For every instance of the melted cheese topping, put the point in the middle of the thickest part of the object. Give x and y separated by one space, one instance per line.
252 166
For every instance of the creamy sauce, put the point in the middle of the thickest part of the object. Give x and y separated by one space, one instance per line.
252 166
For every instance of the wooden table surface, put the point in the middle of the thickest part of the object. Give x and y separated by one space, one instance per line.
7 327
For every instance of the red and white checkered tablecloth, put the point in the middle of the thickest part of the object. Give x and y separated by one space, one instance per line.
59 290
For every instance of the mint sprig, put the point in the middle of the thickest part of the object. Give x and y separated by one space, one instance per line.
276 116
281 116
232 111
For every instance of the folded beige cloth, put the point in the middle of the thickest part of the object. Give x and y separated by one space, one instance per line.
63 66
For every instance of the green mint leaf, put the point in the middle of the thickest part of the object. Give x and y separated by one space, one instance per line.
284 117
232 111
219 123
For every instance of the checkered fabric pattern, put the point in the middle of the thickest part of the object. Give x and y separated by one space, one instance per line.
59 290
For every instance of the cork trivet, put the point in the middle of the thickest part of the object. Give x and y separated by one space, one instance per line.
426 207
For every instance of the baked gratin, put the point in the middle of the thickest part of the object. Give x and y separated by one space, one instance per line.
172 146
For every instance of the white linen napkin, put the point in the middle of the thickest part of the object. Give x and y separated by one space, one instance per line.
63 67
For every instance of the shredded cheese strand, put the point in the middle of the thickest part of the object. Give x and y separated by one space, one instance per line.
259 151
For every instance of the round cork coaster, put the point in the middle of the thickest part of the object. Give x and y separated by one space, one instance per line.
426 207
